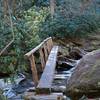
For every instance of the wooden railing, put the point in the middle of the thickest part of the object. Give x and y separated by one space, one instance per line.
44 49
43 86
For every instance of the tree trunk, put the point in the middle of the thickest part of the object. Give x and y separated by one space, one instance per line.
52 7
5 3
14 6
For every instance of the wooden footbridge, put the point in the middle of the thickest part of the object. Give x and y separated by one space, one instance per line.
43 86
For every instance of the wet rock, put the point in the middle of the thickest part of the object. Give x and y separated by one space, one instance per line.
65 63
85 79
2 84
92 42
63 51
21 78
9 93
58 89
18 97
32 89
76 53
90 48
23 86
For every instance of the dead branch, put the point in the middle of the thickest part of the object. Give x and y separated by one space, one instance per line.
11 24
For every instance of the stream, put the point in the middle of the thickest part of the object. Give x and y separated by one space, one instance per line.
15 87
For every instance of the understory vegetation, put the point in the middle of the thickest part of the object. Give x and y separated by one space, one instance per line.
72 19
32 22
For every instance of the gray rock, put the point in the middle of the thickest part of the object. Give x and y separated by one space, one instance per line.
85 79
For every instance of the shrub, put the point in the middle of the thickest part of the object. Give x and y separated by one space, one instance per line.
71 21
26 25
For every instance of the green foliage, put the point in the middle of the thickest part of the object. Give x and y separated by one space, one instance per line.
2 97
78 26
26 26
71 20
34 24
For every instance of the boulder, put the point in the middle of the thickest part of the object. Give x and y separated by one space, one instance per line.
65 63
76 53
85 80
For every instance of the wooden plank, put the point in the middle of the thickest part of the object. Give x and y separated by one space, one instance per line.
52 96
45 83
42 58
34 70
36 48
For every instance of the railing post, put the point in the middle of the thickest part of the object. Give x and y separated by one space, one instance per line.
45 52
34 70
50 43
42 58
48 46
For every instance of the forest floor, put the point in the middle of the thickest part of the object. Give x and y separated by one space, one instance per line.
89 43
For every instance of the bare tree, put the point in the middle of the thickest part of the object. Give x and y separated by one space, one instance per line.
8 10
5 7
14 7
85 4
52 7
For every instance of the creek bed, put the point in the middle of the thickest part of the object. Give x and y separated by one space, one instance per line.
15 87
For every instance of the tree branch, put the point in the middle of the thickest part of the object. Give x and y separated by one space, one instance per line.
11 24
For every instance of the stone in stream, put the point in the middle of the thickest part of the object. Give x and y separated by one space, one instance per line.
2 83
85 80
76 53
58 89
65 63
